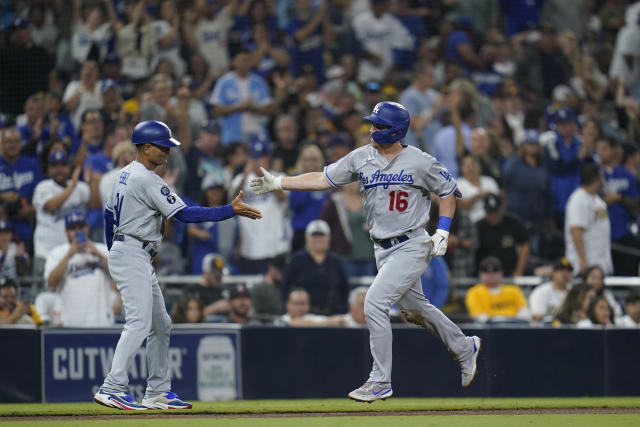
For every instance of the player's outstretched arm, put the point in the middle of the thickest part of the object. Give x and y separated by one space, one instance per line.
243 209
311 181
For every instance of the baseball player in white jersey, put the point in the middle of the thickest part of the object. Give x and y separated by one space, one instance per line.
134 214
396 181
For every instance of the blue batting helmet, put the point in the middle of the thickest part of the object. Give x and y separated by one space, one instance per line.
153 132
389 114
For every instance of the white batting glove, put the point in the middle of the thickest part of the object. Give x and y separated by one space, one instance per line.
265 184
440 241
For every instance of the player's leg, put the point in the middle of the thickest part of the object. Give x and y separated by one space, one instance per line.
135 289
158 394
397 271
417 309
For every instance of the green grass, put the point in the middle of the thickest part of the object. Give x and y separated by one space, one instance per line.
546 420
330 405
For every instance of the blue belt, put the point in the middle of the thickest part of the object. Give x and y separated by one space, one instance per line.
392 241
148 247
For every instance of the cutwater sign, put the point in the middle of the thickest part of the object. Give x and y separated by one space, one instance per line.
204 365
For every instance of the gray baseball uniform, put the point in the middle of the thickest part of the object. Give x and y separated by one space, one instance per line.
139 201
397 201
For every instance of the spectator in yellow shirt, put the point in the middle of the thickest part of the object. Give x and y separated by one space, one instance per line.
492 301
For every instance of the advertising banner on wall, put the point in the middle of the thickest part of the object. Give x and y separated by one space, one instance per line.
204 364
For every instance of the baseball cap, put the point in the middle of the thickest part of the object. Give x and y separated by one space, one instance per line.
211 180
239 290
531 135
109 84
563 115
112 57
562 264
334 72
211 126
317 226
58 157
561 93
490 264
339 139
373 86
75 217
259 146
4 225
212 263
19 23
491 202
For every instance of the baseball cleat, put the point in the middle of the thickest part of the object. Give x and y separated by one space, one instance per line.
122 400
371 391
470 366
168 400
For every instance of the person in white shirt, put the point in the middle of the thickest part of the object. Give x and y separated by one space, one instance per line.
546 299
632 307
587 231
52 199
78 271
261 240
84 94
474 187
14 260
599 313
379 33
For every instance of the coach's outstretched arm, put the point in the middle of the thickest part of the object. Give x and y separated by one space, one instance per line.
201 214
311 181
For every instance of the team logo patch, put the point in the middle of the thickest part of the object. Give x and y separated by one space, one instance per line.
446 175
171 199
123 178
165 190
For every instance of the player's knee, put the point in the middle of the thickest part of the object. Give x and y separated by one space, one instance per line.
372 309
141 325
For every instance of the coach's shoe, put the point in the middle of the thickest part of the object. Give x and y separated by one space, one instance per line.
469 365
165 401
371 391
122 400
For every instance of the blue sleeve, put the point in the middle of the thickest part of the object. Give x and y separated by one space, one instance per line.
108 227
202 214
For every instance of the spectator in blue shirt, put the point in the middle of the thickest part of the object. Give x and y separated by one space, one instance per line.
243 101
308 31
621 196
521 15
458 45
19 176
415 25
564 157
435 282
306 205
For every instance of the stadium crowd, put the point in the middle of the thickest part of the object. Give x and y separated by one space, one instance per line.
534 106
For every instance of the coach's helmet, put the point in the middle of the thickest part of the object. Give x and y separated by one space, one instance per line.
153 132
390 114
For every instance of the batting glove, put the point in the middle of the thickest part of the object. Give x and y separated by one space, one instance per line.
440 241
265 184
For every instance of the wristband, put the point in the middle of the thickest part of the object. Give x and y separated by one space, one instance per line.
444 223
277 182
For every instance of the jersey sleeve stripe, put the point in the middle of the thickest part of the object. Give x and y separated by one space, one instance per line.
442 196
327 176
173 212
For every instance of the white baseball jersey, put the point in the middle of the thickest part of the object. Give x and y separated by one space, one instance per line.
588 211
396 193
50 230
211 35
86 294
139 200
8 267
545 300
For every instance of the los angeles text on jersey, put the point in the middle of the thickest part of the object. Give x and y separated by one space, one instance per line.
386 179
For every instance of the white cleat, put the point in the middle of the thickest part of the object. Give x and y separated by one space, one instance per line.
469 366
371 391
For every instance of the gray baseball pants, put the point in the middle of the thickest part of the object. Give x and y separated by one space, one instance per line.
145 317
398 282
